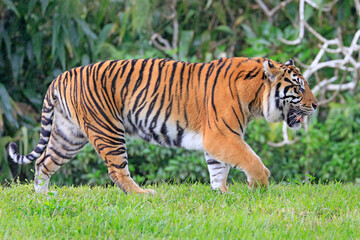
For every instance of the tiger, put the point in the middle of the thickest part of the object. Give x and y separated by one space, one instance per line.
197 106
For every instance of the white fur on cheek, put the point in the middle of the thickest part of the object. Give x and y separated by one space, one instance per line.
296 126
271 112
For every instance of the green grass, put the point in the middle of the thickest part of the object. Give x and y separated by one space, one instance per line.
188 211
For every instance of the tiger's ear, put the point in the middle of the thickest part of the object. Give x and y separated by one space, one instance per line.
290 62
270 70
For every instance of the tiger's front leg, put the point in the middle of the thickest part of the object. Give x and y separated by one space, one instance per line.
233 150
218 172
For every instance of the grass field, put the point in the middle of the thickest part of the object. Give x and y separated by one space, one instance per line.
188 211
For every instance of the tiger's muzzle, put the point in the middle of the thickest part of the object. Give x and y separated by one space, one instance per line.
295 116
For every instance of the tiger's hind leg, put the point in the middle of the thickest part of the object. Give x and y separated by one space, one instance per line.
66 140
110 145
218 172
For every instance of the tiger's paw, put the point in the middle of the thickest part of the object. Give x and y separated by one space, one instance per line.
42 187
41 190
147 191
261 182
224 189
150 191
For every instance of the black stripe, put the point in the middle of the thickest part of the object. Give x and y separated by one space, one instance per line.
120 166
213 89
256 96
277 99
199 73
146 88
45 133
150 109
237 117
30 157
230 88
112 66
66 147
208 74
251 74
46 121
60 154
233 131
179 135
163 131
56 162
160 71
62 85
141 75
45 172
172 78
227 69
181 79
212 162
124 90
39 150
118 151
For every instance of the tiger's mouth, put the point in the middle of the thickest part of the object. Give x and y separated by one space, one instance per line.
295 117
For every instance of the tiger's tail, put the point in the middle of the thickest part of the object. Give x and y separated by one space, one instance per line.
47 115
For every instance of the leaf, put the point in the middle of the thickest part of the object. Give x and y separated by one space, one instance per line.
7 40
220 12
33 97
225 29
55 37
17 60
31 6
308 12
72 34
25 138
44 4
141 14
5 102
102 38
5 169
1 123
29 51
85 27
37 46
85 60
249 32
208 4
69 47
61 53
124 19
10 5
105 32
104 5
186 37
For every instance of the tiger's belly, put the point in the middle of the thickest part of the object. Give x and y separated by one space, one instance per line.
165 134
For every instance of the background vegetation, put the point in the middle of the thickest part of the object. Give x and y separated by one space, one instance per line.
39 39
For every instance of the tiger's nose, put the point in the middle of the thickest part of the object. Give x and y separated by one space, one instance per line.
315 105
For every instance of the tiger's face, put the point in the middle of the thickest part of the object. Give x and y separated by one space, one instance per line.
289 97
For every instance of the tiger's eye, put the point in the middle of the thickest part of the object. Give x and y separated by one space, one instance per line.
300 89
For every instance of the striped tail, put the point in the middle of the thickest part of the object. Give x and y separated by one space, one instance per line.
46 126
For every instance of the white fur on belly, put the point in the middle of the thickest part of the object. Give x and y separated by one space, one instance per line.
192 140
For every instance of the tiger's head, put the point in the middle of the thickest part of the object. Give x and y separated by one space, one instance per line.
289 97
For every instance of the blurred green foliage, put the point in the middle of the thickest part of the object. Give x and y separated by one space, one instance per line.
39 39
